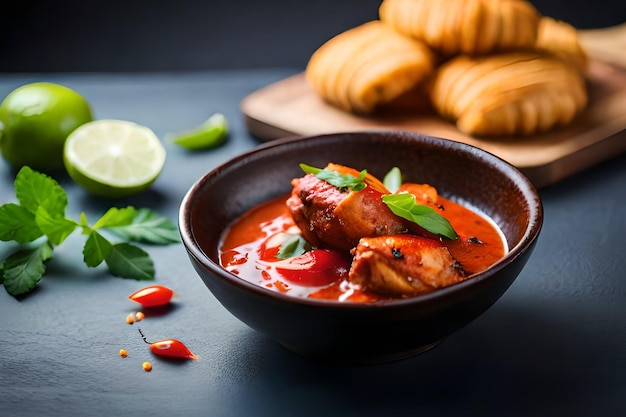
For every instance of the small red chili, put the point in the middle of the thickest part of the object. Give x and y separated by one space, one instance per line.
171 348
152 296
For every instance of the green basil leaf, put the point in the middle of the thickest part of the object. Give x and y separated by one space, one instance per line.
308 169
341 181
294 245
393 179
405 206
129 261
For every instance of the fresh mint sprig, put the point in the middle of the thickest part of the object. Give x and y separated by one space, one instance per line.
38 223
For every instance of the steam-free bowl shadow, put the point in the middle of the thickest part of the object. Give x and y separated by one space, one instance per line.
525 362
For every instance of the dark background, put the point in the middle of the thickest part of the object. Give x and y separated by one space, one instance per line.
184 35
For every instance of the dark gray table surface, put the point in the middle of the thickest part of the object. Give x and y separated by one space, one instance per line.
554 344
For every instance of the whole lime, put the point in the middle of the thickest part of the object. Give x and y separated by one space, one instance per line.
35 121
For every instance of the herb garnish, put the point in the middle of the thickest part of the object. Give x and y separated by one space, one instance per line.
405 206
341 181
393 179
39 223
294 245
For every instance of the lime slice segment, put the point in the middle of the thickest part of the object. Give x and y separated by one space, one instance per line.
210 134
113 158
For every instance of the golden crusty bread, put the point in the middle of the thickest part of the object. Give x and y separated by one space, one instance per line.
560 39
464 26
517 93
368 66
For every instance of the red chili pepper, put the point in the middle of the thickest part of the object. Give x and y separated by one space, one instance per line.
152 296
171 348
314 268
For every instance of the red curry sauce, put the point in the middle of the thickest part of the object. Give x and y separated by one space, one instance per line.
247 251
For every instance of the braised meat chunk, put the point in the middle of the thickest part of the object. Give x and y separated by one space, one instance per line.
311 204
403 265
391 255
329 216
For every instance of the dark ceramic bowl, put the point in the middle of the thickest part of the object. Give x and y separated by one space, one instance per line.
351 333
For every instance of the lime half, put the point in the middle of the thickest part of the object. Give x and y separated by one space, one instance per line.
113 158
210 134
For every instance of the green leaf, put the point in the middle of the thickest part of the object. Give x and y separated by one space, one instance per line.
84 224
56 228
294 245
41 212
46 251
96 249
341 181
23 269
18 224
116 217
148 227
212 133
308 169
34 189
130 261
393 179
405 206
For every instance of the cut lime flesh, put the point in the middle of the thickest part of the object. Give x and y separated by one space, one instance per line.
114 158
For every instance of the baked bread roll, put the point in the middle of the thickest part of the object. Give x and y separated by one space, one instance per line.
518 93
367 67
560 39
465 26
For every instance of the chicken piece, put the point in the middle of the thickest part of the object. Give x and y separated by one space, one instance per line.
403 265
328 216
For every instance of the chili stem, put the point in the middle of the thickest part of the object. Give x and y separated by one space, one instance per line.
143 337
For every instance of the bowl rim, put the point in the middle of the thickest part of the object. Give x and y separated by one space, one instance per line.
526 241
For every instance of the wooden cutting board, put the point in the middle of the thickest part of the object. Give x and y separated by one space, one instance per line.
290 107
